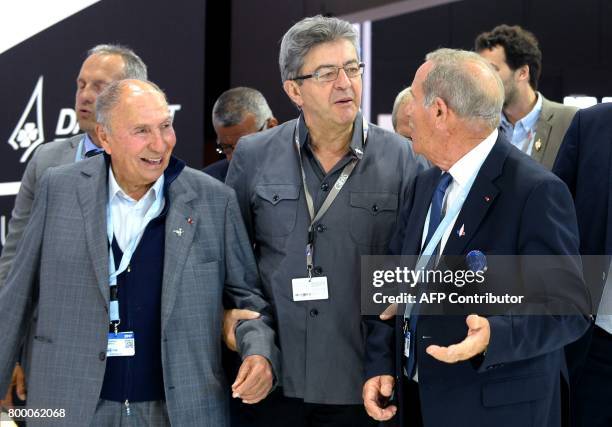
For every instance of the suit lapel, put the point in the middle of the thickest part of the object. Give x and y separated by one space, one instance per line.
479 200
543 129
608 247
92 191
422 201
178 240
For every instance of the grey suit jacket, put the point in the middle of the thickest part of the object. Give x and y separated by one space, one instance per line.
62 270
48 155
554 121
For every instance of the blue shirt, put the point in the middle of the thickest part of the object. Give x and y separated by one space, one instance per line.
522 134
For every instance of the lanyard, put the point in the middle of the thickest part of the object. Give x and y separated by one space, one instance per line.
316 216
113 273
444 224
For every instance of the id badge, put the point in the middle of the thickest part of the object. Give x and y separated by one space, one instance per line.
407 343
121 344
311 289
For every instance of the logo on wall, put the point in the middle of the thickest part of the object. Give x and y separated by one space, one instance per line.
29 132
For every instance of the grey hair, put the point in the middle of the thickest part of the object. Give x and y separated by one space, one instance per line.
134 67
110 96
234 104
399 100
308 33
450 80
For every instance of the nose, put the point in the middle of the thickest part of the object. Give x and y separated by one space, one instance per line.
342 81
85 96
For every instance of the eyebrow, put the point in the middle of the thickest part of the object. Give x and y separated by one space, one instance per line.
350 61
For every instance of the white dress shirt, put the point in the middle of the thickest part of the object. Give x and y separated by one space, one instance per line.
128 215
461 172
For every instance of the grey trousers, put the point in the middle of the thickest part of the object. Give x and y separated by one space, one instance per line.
141 414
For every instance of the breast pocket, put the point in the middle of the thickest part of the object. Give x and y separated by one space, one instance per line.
276 209
373 217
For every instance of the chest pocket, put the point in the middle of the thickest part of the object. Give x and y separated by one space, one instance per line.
275 209
373 217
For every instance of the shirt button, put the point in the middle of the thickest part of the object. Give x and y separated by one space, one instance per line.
314 312
321 228
318 270
325 186
275 198
374 208
102 356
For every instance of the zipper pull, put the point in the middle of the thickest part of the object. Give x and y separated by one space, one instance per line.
127 407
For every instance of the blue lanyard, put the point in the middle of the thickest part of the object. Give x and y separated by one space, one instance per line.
113 273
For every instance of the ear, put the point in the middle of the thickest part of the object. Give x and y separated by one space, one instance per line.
102 135
272 122
522 73
293 91
441 112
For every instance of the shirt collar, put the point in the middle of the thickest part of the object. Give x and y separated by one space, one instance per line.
529 121
357 145
88 144
114 190
471 162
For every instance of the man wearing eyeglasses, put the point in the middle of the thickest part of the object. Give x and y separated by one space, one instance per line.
237 112
317 193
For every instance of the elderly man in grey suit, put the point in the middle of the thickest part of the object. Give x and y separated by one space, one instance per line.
529 121
104 64
128 258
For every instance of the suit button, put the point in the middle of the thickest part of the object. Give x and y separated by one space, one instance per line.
324 186
321 228
374 208
318 270
314 312
102 356
275 198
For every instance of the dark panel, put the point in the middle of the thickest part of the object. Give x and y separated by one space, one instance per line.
256 34
399 45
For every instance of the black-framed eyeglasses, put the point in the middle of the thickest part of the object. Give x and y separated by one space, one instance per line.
222 148
330 73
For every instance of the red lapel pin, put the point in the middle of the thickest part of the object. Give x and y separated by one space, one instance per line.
189 220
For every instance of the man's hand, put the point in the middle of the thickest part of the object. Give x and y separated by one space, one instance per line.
376 392
17 383
230 319
476 342
254 380
389 312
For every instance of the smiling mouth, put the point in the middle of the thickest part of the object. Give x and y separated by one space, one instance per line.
152 161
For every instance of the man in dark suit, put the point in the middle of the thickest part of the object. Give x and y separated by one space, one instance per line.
502 369
237 112
585 164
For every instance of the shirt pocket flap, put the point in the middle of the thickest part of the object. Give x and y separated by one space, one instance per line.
516 390
274 193
374 202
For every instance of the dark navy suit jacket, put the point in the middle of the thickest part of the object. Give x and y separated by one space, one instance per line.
584 163
515 207
217 169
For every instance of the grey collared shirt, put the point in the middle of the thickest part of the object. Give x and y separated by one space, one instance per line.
322 342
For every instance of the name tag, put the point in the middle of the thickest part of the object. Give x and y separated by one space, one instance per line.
407 344
310 289
121 344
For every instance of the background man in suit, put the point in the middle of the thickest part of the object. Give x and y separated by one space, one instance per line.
355 176
237 112
585 164
104 64
399 116
529 121
476 369
137 244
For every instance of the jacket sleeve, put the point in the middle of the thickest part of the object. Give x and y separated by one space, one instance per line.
19 294
243 290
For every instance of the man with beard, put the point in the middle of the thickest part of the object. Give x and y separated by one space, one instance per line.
529 121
